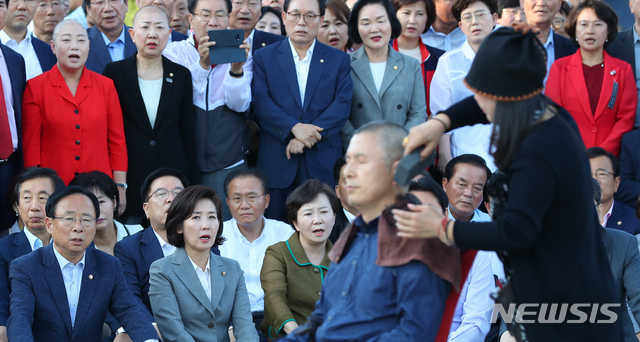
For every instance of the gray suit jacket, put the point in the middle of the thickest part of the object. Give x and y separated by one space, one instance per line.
401 98
182 309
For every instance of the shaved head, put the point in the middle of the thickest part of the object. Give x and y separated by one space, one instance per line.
65 23
150 9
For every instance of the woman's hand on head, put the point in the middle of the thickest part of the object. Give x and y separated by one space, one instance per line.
422 221
427 134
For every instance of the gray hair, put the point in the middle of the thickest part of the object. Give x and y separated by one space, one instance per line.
389 135
63 24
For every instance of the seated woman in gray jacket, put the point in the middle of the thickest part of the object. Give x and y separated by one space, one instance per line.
195 293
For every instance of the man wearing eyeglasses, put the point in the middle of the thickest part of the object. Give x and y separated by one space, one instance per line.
509 11
138 251
110 39
92 280
605 168
249 233
38 56
302 98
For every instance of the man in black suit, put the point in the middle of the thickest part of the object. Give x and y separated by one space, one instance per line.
37 54
168 7
539 15
12 73
625 45
110 39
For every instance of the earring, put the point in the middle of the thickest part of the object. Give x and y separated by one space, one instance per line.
606 40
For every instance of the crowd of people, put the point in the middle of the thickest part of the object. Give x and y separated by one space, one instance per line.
154 196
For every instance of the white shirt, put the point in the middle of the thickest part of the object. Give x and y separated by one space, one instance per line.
377 71
167 249
8 98
471 318
150 91
349 215
446 42
203 276
302 67
448 88
415 53
551 54
25 48
32 239
223 89
72 276
250 255
122 231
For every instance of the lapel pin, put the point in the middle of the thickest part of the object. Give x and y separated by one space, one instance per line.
619 223
264 44
170 74
322 61
395 67
170 80
613 73
90 276
224 273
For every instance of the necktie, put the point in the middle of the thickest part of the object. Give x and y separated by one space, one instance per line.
6 144
37 244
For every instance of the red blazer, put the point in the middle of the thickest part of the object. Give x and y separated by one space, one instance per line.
615 114
73 134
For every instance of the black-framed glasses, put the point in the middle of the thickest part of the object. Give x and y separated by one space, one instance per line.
70 220
308 18
162 193
602 174
249 198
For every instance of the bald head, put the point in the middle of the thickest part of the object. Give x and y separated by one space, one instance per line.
151 9
65 23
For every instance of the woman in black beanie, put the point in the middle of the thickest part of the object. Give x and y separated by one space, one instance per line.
547 231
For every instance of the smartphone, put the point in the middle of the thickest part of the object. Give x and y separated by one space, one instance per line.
227 48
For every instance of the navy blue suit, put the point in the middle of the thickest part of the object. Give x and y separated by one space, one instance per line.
177 36
629 188
622 48
262 39
278 108
18 77
11 247
624 218
562 46
39 307
44 53
99 55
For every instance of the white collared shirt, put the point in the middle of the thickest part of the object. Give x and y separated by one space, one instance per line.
32 239
551 54
250 255
446 42
72 276
448 88
167 249
608 214
302 67
24 48
8 98
349 215
203 276
223 89
116 49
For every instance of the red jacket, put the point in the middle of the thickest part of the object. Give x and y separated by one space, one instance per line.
616 112
73 134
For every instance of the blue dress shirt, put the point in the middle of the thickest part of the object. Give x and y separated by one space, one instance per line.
116 49
72 275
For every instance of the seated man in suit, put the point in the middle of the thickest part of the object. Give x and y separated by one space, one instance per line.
168 7
624 48
302 98
37 54
48 14
92 280
348 213
629 189
606 170
33 188
138 251
356 279
221 95
248 233
624 259
110 39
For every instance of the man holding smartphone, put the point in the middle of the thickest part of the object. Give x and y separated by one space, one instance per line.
221 95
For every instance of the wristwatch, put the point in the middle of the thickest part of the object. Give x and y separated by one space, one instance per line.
119 331
122 185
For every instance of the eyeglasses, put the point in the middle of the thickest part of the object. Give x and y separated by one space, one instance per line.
70 220
251 3
308 18
162 193
205 16
513 11
102 3
250 198
467 17
601 174
52 4
557 23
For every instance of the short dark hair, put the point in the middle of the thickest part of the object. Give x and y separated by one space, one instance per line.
352 24
145 190
99 181
565 8
268 9
337 168
597 191
341 11
192 4
59 195
503 4
428 4
182 207
596 152
321 6
308 192
469 159
33 173
427 184
603 11
461 5
246 173
85 4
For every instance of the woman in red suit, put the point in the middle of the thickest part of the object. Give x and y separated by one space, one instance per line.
72 120
598 90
